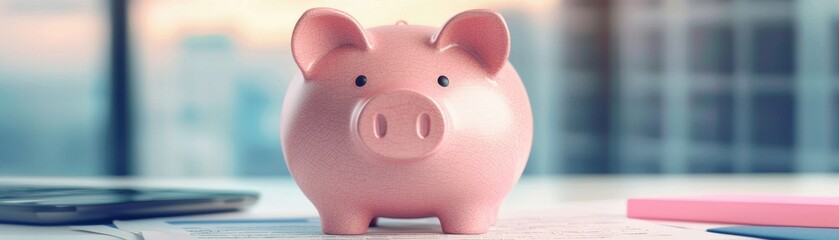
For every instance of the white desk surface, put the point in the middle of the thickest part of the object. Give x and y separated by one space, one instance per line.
281 197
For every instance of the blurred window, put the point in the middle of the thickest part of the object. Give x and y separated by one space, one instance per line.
646 115
712 117
53 87
773 48
712 48
773 119
210 93
585 113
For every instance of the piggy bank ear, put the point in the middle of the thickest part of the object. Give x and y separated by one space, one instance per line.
321 30
481 32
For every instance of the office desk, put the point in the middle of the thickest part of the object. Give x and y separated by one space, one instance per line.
281 197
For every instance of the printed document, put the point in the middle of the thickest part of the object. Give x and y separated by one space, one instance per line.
533 225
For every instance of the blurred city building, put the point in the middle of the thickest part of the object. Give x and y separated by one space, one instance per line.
629 86
705 86
53 87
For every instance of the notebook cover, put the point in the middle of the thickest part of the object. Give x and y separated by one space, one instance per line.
769 232
740 209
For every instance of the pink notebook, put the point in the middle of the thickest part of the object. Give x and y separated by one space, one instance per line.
740 209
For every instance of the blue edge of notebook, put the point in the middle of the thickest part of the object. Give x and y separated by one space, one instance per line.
771 232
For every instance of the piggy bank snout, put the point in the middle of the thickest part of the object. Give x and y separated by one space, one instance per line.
401 125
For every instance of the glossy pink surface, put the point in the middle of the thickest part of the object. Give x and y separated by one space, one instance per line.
402 145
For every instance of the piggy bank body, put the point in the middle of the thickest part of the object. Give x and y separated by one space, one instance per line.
405 121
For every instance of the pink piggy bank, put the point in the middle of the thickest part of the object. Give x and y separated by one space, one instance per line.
405 121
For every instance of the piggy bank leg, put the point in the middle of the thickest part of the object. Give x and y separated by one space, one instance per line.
493 216
474 220
344 222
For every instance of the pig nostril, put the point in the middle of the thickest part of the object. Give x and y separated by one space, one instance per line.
423 125
380 126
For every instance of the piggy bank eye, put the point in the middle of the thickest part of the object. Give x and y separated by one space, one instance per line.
443 81
360 80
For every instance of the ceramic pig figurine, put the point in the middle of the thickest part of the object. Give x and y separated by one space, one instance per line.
405 121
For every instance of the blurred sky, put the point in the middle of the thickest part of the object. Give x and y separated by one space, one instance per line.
267 24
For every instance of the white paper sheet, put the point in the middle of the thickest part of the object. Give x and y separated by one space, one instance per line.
533 225
108 231
24 232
